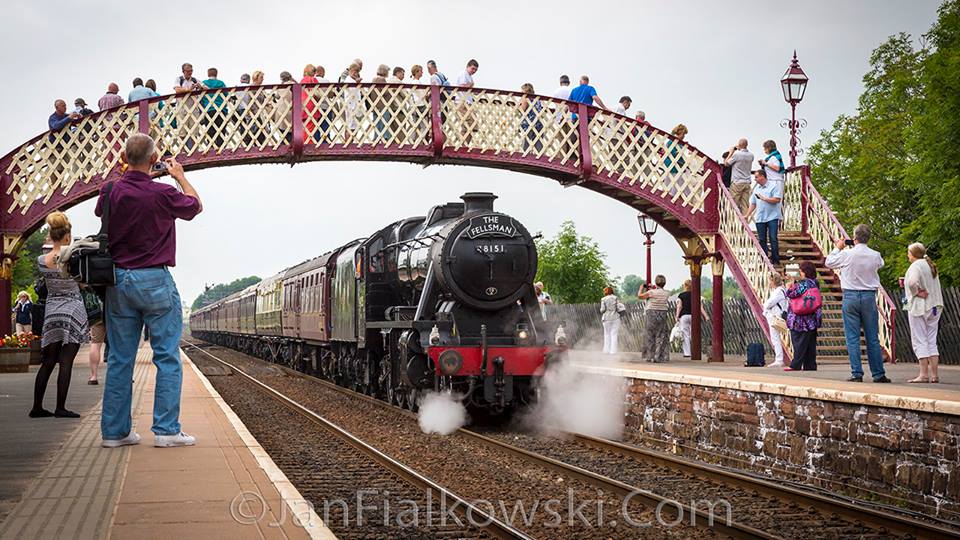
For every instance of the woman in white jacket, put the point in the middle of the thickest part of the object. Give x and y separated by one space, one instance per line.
924 308
610 317
775 306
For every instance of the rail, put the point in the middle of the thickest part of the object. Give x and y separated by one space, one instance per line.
490 523
825 230
402 122
742 246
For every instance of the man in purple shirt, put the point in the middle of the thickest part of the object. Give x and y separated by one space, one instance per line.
142 236
111 99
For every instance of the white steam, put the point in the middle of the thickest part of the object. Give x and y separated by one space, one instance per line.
441 413
578 402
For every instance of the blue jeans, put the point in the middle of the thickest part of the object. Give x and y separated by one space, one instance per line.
142 297
765 229
860 311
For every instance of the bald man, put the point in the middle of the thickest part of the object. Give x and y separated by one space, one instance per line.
111 99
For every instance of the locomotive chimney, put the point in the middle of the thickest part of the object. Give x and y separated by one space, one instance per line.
478 202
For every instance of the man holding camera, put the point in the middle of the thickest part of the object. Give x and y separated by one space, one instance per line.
765 205
739 159
142 236
859 279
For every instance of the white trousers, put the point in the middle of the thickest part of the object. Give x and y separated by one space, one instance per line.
923 333
686 329
611 330
776 339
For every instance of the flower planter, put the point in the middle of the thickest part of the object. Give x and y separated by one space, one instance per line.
35 353
14 360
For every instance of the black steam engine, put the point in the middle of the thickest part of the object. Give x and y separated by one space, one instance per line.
442 302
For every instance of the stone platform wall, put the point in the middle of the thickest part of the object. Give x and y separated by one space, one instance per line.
909 459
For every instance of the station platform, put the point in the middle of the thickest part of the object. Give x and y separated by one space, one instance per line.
827 383
58 482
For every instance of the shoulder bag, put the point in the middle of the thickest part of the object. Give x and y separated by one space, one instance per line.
88 261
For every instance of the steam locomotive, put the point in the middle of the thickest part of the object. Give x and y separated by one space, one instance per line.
442 302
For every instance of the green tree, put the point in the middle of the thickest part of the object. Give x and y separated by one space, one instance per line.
895 163
572 267
860 163
223 290
25 270
631 286
934 139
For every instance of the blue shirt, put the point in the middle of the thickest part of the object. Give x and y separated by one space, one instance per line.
140 92
57 121
768 211
583 94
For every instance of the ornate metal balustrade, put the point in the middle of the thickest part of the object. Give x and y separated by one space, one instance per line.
825 230
426 124
750 265
793 203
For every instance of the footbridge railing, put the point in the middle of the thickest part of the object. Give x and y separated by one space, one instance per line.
425 124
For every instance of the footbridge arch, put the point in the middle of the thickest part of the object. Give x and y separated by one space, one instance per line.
575 144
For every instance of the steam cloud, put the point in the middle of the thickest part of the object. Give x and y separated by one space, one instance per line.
573 401
441 413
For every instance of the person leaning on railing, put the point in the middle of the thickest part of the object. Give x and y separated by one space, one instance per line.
859 279
924 308
657 335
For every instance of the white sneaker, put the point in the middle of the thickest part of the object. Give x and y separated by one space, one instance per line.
776 364
129 440
169 441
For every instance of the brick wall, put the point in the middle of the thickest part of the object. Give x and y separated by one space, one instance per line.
910 458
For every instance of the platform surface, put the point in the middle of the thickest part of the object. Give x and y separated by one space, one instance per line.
70 487
827 383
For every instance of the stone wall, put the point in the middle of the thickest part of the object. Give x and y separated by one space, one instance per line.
909 459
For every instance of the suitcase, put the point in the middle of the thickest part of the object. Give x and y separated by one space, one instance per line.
755 355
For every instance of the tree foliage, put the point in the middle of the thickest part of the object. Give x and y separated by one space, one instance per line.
631 286
895 163
223 290
572 267
25 271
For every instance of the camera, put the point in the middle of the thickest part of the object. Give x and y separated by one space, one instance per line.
848 242
159 166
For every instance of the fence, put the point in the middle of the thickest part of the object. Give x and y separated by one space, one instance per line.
584 331
948 340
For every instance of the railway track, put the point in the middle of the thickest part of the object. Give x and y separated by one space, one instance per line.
357 464
757 508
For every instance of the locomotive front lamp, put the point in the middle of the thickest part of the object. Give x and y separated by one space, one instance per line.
523 332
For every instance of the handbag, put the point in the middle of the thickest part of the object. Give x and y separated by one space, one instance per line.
88 261
91 303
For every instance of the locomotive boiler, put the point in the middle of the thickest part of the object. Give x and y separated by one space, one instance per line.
437 302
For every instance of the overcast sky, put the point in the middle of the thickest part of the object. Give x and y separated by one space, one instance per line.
715 66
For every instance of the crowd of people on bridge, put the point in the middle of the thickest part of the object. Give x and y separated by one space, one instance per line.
320 115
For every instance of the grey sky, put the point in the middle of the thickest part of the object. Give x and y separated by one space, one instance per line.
714 66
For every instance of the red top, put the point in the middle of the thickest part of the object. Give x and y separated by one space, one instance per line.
142 231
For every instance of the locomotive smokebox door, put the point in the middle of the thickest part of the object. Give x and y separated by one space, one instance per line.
487 259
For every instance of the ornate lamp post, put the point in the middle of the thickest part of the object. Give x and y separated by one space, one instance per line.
794 84
648 226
